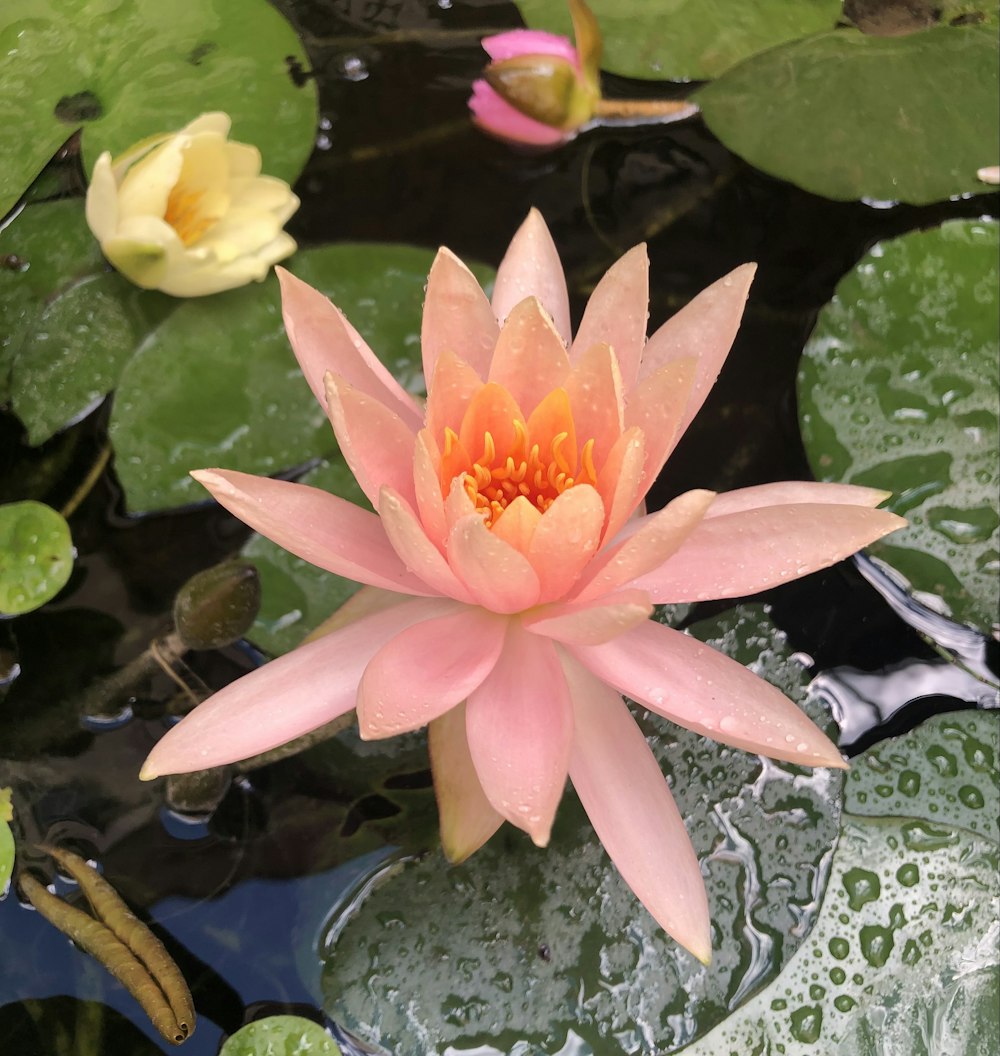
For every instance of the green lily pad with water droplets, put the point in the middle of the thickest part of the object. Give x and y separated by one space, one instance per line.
686 39
849 116
897 390
122 70
539 947
47 247
281 1036
36 556
903 957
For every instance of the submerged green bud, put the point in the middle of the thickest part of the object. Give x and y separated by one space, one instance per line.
217 607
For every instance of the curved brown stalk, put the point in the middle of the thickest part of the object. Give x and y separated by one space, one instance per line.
102 944
109 908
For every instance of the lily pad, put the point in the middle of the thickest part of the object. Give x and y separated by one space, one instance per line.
296 596
904 955
897 390
36 556
542 947
48 247
6 840
281 1036
687 39
851 116
123 70
217 385
75 354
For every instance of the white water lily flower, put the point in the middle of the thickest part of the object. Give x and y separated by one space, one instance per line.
189 213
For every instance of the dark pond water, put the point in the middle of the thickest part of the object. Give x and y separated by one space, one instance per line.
241 895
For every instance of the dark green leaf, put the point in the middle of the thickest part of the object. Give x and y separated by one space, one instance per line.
848 116
906 940
124 71
46 248
686 39
36 556
74 354
898 391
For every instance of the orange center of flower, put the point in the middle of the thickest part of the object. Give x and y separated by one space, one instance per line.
186 214
537 460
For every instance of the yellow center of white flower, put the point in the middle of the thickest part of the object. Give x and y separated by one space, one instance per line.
187 215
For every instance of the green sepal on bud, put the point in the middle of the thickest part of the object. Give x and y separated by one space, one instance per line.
217 607
589 44
544 87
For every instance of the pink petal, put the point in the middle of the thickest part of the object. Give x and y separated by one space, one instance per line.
427 669
630 806
365 602
321 528
323 340
520 728
619 480
617 313
496 116
531 268
794 492
450 392
705 328
530 358
738 554
466 817
417 553
699 688
595 394
377 444
657 406
516 42
457 316
427 488
655 538
565 539
284 699
517 523
593 622
500 579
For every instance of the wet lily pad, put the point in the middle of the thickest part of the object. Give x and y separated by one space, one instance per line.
542 947
217 385
897 390
687 39
6 840
48 247
849 116
281 1036
126 69
296 596
36 556
907 933
75 354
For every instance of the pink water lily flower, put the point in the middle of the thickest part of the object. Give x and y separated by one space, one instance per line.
513 567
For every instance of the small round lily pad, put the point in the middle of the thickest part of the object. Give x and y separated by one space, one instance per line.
281 1036
36 556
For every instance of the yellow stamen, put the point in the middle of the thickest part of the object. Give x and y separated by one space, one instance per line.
496 479
186 215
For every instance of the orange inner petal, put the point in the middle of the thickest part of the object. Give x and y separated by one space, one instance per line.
500 457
